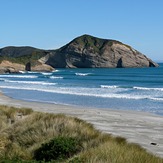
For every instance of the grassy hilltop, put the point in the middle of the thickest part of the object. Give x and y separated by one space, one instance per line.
28 136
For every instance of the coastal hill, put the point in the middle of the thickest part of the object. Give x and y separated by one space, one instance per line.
83 52
88 51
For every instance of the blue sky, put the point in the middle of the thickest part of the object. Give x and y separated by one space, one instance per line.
49 24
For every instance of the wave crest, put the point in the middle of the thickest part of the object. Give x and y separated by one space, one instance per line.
31 82
56 77
109 86
148 89
87 92
19 76
82 74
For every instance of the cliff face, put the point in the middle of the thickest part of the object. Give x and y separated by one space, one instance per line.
82 52
15 59
87 51
9 67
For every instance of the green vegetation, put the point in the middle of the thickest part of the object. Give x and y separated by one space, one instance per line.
33 57
29 137
58 148
96 44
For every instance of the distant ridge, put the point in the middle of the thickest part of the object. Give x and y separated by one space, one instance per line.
82 52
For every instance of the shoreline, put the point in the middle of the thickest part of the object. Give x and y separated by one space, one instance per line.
137 127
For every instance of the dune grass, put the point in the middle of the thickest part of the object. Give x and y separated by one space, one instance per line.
23 132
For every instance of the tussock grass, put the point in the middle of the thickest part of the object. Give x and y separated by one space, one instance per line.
23 131
113 152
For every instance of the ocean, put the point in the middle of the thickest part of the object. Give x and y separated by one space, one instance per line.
139 89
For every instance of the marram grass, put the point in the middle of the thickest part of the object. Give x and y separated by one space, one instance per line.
23 131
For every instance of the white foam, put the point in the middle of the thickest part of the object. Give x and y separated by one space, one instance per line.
109 86
20 88
46 73
148 89
56 70
56 77
22 72
82 74
31 82
156 99
86 92
32 72
18 76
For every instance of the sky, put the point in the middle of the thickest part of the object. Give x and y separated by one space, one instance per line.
50 24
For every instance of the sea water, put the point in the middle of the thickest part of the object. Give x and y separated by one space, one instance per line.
138 89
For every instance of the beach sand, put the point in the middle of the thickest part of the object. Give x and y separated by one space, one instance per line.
137 127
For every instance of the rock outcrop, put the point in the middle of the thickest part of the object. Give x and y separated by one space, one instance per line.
38 66
16 59
87 52
82 52
9 67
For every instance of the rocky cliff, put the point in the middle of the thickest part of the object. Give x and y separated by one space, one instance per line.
10 67
16 59
82 52
87 51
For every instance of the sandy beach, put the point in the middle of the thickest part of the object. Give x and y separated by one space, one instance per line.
142 128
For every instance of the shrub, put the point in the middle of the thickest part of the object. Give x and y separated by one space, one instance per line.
57 149
120 140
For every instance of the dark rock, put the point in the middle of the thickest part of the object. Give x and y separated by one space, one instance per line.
28 66
38 66
119 64
153 143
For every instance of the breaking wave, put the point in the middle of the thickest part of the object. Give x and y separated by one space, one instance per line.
82 74
109 86
148 89
19 76
86 92
56 77
46 73
31 82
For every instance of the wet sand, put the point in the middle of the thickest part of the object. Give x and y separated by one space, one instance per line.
137 127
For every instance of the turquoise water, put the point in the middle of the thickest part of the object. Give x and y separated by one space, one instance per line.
127 89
